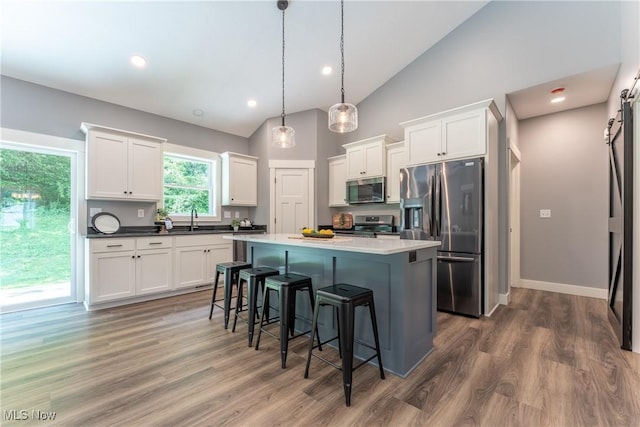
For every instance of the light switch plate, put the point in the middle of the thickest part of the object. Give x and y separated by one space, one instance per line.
140 213
545 213
237 214
227 214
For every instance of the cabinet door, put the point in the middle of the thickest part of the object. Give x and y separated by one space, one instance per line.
112 276
374 155
190 266
355 163
464 135
423 143
243 182
214 255
107 166
153 271
144 170
337 182
395 161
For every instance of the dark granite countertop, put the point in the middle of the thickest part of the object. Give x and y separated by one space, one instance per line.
180 230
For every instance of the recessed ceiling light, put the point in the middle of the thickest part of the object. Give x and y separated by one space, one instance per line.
558 99
327 70
198 112
252 103
138 61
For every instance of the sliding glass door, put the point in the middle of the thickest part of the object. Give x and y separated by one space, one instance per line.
37 223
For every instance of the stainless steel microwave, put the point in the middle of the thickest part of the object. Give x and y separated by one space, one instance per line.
371 190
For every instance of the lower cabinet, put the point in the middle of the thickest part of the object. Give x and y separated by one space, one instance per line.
124 268
196 258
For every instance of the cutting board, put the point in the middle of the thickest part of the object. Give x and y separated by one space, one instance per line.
342 221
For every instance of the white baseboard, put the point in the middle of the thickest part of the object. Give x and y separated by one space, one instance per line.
504 299
583 291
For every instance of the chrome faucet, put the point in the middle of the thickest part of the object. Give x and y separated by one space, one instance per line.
193 212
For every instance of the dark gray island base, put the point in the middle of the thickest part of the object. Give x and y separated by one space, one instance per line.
402 275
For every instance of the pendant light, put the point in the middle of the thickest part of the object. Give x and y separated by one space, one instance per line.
343 117
283 136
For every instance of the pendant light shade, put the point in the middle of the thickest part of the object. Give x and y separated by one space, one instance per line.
283 136
343 117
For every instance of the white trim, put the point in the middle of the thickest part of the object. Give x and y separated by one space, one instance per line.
504 299
292 164
492 310
516 151
583 291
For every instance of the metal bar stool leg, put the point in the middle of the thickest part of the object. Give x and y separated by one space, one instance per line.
346 342
374 323
213 297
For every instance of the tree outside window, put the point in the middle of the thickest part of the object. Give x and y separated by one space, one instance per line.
188 184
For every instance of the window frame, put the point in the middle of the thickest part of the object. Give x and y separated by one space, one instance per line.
215 162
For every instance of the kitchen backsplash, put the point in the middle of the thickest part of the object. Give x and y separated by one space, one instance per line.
372 209
127 212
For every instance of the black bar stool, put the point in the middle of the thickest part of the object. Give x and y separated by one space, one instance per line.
345 298
230 271
286 285
253 277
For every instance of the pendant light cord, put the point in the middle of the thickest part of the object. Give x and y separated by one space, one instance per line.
282 115
342 46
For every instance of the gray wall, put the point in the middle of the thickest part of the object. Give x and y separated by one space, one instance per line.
564 168
33 108
506 46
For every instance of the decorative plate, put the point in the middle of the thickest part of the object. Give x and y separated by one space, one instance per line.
105 222
318 235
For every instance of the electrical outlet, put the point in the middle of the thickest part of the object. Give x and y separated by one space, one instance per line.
237 214
227 214
140 213
545 213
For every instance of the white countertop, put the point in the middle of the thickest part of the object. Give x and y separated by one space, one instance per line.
340 243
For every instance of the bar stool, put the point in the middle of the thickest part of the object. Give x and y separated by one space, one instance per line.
253 277
345 298
230 271
286 285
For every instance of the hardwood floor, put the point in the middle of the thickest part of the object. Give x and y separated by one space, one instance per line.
545 360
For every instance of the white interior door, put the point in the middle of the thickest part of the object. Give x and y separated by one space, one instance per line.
514 216
292 210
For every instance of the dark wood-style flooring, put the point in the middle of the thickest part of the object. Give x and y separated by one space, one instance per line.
545 360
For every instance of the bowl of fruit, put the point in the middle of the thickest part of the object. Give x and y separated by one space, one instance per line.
322 234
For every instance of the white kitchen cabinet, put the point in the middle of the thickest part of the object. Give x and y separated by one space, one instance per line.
395 161
337 180
367 158
124 268
453 134
196 258
122 165
239 180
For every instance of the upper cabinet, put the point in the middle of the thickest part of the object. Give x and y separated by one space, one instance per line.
395 161
367 158
122 165
239 179
337 181
452 134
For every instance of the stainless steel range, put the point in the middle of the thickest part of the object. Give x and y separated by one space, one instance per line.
369 225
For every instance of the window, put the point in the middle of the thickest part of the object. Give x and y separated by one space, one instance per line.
191 181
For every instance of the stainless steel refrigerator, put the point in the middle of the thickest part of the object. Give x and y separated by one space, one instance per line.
444 201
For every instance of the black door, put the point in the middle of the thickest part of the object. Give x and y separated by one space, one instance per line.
621 222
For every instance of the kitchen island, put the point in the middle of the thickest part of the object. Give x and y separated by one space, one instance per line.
401 273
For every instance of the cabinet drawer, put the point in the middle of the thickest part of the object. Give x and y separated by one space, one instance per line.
112 245
154 243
